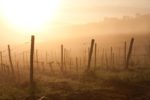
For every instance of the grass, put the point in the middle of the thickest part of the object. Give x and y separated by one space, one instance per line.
119 84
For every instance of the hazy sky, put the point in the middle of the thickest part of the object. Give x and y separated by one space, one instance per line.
69 11
95 10
83 11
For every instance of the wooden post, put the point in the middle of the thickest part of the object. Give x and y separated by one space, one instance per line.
62 58
106 58
119 56
149 53
37 60
90 55
113 59
80 62
31 62
77 65
64 55
70 60
10 60
23 61
18 71
95 62
129 53
84 57
125 52
111 56
149 50
102 59
46 58
1 56
70 63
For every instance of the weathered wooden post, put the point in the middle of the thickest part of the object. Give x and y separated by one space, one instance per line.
46 57
18 71
111 56
119 56
106 58
46 60
84 57
10 60
90 55
77 65
31 64
37 60
65 59
70 64
23 61
102 59
1 56
80 62
125 52
113 59
129 53
149 50
95 60
62 58
149 53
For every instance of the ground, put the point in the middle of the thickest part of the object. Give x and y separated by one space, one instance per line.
101 85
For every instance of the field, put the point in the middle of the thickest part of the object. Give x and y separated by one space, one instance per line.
103 85
74 50
99 74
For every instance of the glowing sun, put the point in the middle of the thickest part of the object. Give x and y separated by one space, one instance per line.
29 15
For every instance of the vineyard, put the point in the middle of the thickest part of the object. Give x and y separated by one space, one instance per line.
95 73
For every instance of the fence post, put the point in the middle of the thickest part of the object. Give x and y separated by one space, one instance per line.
31 63
113 59
37 60
149 53
1 56
46 58
125 52
18 71
23 61
129 53
102 58
149 50
77 65
84 57
90 55
65 59
106 58
95 62
111 56
62 58
10 60
80 62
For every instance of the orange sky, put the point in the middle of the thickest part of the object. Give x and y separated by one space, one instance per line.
66 12
82 11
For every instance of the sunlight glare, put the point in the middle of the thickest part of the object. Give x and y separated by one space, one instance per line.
29 15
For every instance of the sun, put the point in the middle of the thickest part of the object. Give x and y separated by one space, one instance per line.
29 15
